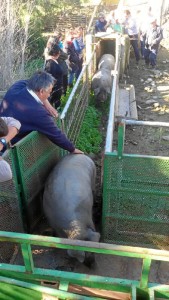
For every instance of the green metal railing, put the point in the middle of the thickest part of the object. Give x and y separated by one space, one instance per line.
28 272
136 195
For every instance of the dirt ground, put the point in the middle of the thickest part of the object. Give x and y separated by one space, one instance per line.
152 97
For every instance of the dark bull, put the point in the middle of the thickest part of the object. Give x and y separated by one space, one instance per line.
103 78
68 201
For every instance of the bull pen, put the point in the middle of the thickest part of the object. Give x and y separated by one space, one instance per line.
121 222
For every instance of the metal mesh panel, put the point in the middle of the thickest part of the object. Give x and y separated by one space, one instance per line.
75 113
10 210
136 200
36 156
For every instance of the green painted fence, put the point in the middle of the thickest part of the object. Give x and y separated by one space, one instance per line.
31 278
136 196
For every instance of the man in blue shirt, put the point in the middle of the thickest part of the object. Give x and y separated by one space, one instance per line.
101 23
26 101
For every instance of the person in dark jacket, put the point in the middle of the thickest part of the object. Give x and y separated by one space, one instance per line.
73 57
79 46
153 38
52 66
56 39
101 23
26 101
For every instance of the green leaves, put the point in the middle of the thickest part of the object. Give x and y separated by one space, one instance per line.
90 137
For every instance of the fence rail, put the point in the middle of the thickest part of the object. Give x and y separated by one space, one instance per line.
28 272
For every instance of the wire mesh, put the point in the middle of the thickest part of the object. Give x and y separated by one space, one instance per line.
136 201
10 209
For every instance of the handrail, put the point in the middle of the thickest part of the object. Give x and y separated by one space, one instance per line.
110 127
62 116
62 243
30 272
145 123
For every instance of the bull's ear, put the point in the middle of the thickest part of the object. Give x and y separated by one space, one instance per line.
96 91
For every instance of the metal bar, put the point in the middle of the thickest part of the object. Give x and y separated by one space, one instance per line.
114 154
64 285
92 281
84 245
133 293
46 290
27 257
135 218
151 295
63 114
110 127
161 294
72 93
121 135
139 191
145 123
145 273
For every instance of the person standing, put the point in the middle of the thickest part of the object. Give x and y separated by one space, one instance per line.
73 57
101 23
52 66
132 31
152 41
79 46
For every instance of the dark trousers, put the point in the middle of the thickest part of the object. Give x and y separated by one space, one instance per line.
150 56
55 98
80 64
65 83
134 43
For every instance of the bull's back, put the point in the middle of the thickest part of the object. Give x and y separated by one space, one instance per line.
68 190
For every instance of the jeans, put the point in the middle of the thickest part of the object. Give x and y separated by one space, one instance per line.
150 56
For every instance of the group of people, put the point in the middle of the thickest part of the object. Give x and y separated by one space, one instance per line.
64 60
26 108
142 28
31 105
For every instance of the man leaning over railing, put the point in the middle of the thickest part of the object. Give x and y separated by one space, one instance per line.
27 101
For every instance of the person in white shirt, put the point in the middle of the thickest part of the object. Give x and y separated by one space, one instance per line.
132 31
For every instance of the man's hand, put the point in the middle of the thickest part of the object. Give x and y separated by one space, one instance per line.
77 151
51 109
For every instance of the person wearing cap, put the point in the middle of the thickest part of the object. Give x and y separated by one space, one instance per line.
101 23
27 101
9 127
154 35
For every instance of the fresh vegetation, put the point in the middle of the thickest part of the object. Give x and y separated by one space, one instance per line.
90 137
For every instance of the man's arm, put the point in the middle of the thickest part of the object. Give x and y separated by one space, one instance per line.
50 109
13 127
